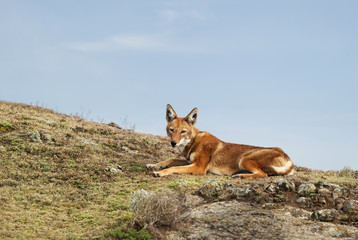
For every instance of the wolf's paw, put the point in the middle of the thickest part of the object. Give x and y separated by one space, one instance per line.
150 166
160 174
156 174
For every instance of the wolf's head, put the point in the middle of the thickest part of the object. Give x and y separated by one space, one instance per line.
180 130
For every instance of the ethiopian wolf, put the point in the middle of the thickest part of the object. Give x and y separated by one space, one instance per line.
204 153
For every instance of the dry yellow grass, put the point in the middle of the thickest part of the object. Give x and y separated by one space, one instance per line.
59 174
69 186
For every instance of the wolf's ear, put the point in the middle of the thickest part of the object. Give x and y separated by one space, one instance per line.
171 115
192 116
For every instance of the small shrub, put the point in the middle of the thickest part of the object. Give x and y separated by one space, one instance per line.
155 208
137 167
17 145
46 168
348 172
4 126
130 234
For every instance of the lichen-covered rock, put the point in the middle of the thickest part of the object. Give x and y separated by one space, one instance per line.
47 137
238 192
304 201
350 206
241 220
211 189
35 136
327 185
271 188
339 192
286 184
339 203
306 189
114 169
90 143
324 192
221 190
325 215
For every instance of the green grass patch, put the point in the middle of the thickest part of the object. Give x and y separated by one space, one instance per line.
5 126
129 234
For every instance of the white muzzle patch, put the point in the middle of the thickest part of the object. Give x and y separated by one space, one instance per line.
182 144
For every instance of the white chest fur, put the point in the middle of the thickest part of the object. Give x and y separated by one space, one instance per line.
182 144
191 157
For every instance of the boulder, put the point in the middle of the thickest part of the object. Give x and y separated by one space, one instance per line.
242 220
306 189
325 215
304 201
220 190
35 136
47 137
350 206
286 184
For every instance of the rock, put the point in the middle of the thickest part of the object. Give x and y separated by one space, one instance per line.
238 193
241 220
211 189
47 137
221 190
270 206
324 192
271 188
115 125
306 189
304 201
322 200
127 149
282 184
35 136
339 203
286 184
2 148
338 192
296 212
191 200
115 169
350 206
90 143
325 215
327 185
335 195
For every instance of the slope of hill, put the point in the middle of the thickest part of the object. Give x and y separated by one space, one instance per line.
62 177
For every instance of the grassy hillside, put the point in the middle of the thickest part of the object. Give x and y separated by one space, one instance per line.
62 177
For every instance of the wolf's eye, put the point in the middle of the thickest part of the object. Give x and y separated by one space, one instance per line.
184 131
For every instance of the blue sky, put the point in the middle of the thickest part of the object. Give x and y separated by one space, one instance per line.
267 73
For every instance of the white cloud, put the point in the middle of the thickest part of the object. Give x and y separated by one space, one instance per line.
136 42
117 43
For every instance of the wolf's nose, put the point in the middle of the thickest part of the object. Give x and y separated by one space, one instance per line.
173 143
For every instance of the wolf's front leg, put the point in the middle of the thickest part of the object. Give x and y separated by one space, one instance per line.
167 163
192 168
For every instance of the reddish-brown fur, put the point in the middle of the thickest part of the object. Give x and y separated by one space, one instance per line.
204 153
